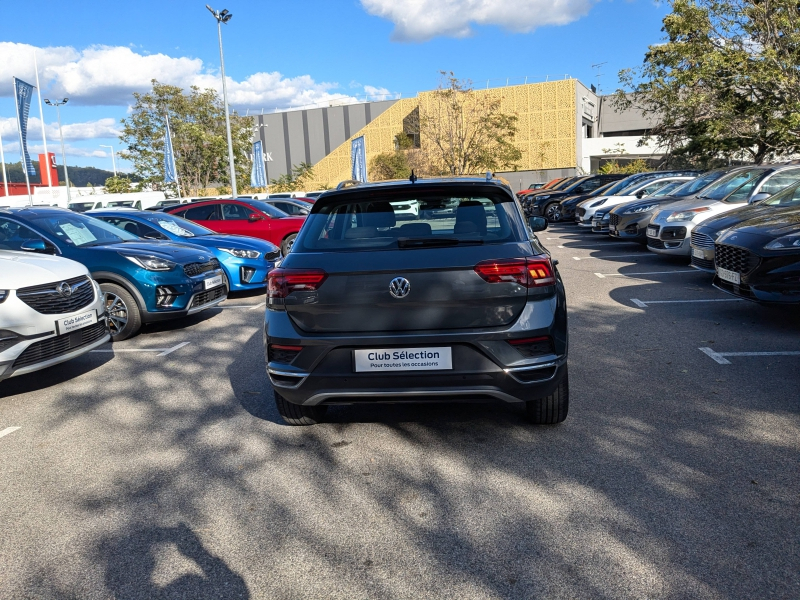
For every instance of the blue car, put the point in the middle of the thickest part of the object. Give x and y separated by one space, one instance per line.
143 281
245 260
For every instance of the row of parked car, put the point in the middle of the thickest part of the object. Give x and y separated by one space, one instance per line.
740 223
73 280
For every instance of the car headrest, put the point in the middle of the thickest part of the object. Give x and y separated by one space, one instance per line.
471 211
415 230
379 214
131 228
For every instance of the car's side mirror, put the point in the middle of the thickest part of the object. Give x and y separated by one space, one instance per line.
640 194
759 197
255 217
34 246
537 223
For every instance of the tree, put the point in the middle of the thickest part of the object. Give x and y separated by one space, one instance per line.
392 165
197 122
724 84
294 181
118 185
463 131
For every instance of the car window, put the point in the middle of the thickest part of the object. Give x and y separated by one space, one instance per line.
651 187
81 206
13 235
207 212
731 183
289 209
588 186
779 181
235 212
787 197
135 228
178 226
74 229
388 224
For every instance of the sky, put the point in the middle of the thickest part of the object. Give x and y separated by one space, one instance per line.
283 54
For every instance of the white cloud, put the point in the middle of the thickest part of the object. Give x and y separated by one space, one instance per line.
421 20
89 130
12 151
108 75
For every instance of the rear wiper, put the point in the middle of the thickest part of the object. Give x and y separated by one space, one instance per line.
425 242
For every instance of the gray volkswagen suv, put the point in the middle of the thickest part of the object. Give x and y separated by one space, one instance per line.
469 307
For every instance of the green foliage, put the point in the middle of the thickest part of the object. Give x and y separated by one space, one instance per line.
78 176
613 167
463 131
294 181
197 122
392 165
725 84
118 185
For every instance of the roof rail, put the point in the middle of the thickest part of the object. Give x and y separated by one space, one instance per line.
348 183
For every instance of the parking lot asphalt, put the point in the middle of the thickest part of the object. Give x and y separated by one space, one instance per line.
161 468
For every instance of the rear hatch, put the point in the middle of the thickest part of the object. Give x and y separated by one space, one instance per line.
379 274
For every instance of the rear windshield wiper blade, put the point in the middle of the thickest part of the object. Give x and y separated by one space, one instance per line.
432 242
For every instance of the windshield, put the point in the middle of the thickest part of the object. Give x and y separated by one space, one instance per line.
788 197
669 189
178 226
623 184
730 183
120 203
697 184
82 231
431 220
266 208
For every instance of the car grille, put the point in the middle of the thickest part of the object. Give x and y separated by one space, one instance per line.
204 298
195 269
46 300
701 240
62 344
734 259
614 220
703 263
579 212
655 243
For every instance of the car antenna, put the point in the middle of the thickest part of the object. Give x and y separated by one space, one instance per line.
413 178
488 175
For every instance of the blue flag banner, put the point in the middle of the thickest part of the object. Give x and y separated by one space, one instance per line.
258 177
22 95
170 173
358 156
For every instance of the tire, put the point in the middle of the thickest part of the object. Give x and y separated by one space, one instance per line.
124 315
551 409
295 414
552 212
226 282
287 243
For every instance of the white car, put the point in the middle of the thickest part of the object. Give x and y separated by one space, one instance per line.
408 209
637 191
50 311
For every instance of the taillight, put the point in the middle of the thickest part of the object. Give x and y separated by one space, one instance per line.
534 271
282 282
282 354
530 347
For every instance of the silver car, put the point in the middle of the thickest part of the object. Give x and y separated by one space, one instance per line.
670 229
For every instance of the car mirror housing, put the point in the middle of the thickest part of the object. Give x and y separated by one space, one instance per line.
759 197
255 217
34 246
537 224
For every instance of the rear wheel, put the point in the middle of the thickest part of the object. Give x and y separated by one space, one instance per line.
124 318
295 414
287 243
551 409
552 212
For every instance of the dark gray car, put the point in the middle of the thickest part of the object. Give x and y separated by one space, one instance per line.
365 309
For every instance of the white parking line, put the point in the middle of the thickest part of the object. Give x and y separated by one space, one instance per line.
604 275
643 304
8 430
645 254
161 351
594 246
719 357
246 306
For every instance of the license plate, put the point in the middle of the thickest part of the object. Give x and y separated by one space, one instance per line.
212 282
403 359
612 227
76 322
729 276
698 253
652 232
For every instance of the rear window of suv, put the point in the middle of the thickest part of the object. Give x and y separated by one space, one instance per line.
420 222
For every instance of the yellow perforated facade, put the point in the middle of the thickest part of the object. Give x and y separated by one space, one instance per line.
547 129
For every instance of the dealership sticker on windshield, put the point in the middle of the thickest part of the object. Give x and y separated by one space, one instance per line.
76 322
729 276
403 359
213 282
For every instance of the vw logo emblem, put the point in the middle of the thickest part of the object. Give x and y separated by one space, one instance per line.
399 287
64 289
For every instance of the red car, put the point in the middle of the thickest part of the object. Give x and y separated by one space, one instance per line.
254 218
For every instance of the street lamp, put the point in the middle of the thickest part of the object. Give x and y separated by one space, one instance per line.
61 134
223 17
113 161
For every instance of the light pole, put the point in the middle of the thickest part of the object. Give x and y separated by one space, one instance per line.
61 135
113 161
223 17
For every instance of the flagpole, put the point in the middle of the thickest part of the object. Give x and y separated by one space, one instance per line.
175 164
22 160
41 116
3 162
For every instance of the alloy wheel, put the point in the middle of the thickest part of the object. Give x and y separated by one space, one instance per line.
117 313
553 213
